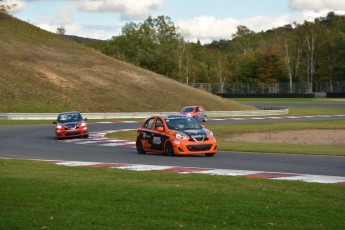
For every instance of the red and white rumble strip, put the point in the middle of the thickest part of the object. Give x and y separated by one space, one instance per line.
222 172
98 138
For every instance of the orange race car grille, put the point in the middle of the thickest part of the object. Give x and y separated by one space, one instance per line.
199 139
195 148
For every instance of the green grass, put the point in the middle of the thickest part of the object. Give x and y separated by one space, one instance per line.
298 111
224 131
36 195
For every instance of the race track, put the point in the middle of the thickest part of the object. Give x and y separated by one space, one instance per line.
38 142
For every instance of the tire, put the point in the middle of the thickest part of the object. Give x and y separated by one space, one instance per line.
209 154
139 147
86 136
169 150
205 119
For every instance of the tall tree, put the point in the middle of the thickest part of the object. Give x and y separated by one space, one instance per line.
220 68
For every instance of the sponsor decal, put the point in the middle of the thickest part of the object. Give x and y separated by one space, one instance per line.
157 140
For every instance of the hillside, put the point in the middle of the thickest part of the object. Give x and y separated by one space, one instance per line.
44 72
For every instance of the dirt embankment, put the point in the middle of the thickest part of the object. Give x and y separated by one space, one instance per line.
321 137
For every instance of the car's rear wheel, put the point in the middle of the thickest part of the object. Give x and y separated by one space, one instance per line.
140 149
169 150
209 154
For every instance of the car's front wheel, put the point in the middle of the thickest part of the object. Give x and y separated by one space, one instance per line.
169 149
140 149
209 154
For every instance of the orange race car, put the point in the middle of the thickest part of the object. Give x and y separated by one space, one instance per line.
175 135
70 124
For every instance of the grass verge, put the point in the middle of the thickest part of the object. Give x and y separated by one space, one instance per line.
38 195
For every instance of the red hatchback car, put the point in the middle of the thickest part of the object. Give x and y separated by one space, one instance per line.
70 124
196 111
175 135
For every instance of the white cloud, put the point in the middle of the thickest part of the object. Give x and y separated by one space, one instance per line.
129 9
94 32
16 5
209 28
318 5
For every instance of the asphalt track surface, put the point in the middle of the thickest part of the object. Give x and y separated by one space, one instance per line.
38 142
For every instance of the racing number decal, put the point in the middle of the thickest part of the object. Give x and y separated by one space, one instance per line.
157 140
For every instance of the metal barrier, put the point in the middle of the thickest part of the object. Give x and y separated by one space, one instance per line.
213 114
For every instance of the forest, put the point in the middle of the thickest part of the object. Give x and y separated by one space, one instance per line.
298 57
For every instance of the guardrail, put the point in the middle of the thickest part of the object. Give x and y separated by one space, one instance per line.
213 114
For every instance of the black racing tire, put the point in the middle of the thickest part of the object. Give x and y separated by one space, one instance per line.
86 136
209 154
58 138
140 148
169 150
205 119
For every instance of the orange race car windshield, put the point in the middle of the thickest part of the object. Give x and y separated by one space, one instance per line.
182 123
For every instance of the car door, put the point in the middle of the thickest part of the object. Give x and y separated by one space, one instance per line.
201 113
145 134
158 138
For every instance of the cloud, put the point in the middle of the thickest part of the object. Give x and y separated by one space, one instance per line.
208 28
16 5
96 32
317 5
129 9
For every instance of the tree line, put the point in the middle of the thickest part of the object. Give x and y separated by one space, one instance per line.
298 53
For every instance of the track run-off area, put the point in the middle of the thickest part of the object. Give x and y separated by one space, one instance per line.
37 142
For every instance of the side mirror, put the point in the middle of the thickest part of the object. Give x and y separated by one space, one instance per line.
160 129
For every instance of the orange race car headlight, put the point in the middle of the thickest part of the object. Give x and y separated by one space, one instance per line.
181 136
211 134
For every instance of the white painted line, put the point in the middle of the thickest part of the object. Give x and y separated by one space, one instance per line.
112 144
314 178
144 167
227 172
77 163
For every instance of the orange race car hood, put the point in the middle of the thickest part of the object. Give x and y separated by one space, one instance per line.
194 132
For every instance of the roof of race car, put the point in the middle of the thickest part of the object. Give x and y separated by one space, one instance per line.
69 112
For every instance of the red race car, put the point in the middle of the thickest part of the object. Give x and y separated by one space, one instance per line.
198 112
175 135
70 124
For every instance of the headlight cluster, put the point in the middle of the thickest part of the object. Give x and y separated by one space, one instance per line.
181 136
211 134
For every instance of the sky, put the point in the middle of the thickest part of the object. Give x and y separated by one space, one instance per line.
203 20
